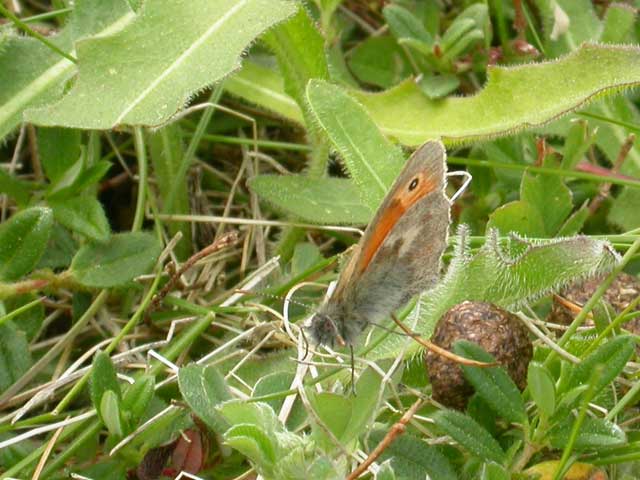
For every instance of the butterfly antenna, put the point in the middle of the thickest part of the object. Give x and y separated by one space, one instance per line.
270 295
439 350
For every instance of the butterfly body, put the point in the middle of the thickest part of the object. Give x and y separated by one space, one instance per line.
398 255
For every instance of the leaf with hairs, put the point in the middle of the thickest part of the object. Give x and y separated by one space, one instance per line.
145 72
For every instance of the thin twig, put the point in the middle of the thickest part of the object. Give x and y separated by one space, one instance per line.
396 430
222 242
441 351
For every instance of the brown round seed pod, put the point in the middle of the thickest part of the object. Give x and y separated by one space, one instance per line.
497 331
622 291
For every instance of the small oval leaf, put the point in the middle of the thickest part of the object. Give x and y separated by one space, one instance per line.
542 388
116 262
23 239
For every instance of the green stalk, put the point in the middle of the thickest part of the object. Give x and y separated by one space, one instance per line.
85 436
141 154
35 455
563 464
189 155
592 177
18 311
29 31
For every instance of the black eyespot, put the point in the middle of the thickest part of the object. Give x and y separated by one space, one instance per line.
413 184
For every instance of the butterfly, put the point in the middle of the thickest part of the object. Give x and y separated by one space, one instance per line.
398 256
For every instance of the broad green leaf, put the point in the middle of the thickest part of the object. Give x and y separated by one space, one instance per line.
279 382
103 379
470 435
379 61
612 355
323 200
624 209
364 403
573 225
203 388
493 385
372 161
32 74
576 144
518 216
155 63
550 197
497 276
493 471
109 410
305 256
23 239
14 188
60 249
116 262
253 442
137 397
15 358
618 24
541 388
262 86
59 149
583 24
334 411
404 24
84 215
594 433
385 472
413 459
167 151
515 98
299 48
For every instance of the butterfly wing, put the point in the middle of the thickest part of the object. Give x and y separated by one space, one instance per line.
399 254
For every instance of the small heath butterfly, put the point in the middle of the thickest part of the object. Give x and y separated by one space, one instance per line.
398 256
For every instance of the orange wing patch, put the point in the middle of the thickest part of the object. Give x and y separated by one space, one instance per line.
403 200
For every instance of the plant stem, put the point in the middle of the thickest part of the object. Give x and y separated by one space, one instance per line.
592 177
187 159
29 31
566 453
141 154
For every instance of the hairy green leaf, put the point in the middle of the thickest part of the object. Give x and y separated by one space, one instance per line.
103 380
594 433
506 273
493 385
116 262
514 98
204 388
372 160
14 188
32 74
156 62
323 200
379 61
138 396
84 215
541 388
413 459
470 435
23 239
612 355
15 358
